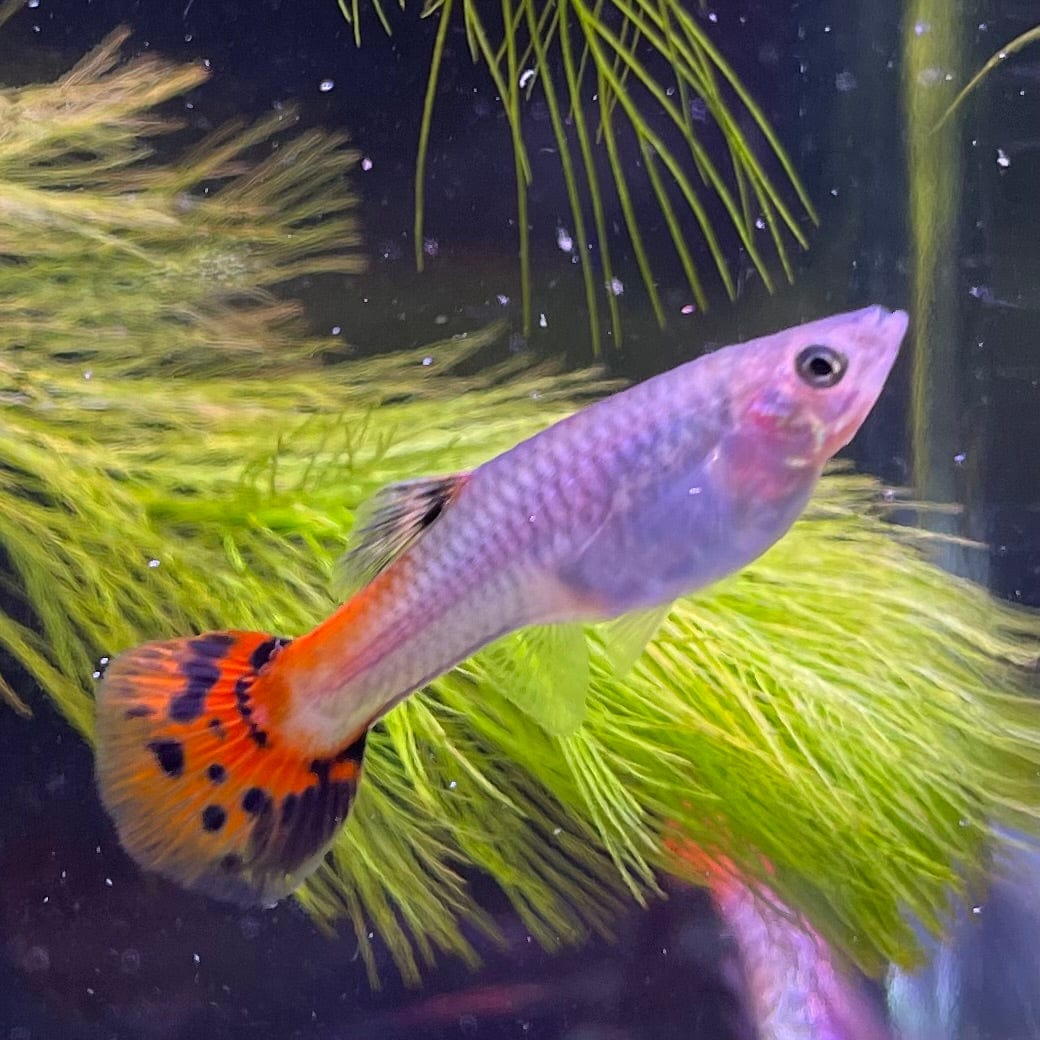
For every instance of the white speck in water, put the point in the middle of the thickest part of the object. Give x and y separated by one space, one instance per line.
960 458
153 563
366 164
326 85
694 491
921 28
88 374
845 81
431 247
525 77
441 319
564 240
826 28
196 958
543 321
687 308
834 192
616 286
452 784
502 299
427 361
760 224
557 831
46 899
983 26
976 910
712 16
1003 160
336 330
108 881
33 4
670 91
531 517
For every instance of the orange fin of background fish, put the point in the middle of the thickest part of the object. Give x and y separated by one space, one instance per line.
544 671
192 767
625 638
389 522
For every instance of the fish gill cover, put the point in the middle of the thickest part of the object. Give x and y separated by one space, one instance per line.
842 707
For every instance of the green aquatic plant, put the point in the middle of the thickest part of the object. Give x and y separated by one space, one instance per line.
808 709
1011 47
934 175
842 707
645 64
152 265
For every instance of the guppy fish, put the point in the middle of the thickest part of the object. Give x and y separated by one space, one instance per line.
229 760
796 988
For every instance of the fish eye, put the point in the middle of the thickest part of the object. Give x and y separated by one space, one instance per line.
821 366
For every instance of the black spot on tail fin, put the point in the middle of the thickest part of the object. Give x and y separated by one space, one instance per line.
193 768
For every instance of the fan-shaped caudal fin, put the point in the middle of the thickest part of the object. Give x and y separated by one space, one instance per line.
193 769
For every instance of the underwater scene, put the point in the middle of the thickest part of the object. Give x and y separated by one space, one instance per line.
520 520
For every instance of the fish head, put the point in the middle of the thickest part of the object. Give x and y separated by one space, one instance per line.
797 397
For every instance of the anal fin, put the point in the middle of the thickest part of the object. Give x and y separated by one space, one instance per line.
194 771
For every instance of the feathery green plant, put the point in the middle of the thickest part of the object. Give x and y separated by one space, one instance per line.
841 707
149 269
644 63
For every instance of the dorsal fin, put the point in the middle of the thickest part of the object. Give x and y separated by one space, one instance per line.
389 522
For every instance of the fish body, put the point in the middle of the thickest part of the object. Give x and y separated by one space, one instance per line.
626 505
795 987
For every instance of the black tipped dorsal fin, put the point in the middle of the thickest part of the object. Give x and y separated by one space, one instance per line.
389 522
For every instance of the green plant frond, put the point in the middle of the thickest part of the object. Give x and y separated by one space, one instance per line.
1005 52
613 48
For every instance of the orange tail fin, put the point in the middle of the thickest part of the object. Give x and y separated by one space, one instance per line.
193 771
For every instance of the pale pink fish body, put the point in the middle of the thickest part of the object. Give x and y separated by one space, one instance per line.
795 987
632 502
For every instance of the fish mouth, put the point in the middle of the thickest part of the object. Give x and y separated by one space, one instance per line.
881 332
